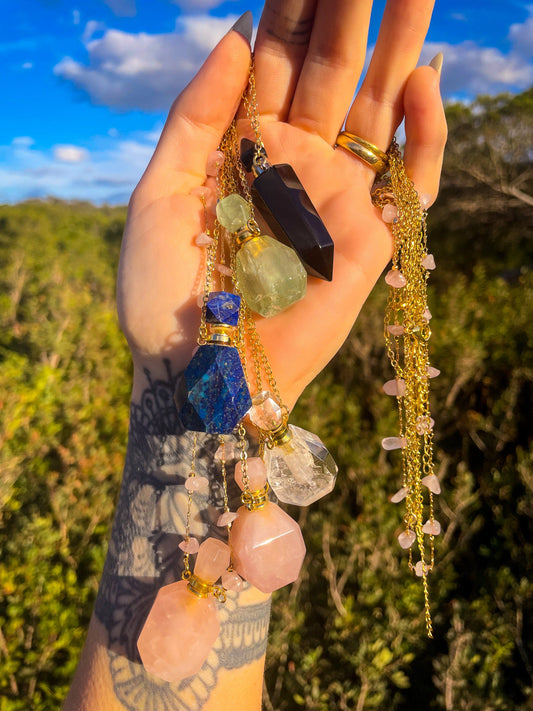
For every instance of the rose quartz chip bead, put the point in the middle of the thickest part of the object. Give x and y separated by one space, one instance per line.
432 527
199 484
191 546
407 538
395 278
432 483
203 240
389 443
389 213
399 495
433 372
226 518
181 628
395 387
396 329
428 262
232 581
214 163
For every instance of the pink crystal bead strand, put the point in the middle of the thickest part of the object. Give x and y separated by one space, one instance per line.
183 623
267 546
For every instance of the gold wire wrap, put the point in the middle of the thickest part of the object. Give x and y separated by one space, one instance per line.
408 354
364 150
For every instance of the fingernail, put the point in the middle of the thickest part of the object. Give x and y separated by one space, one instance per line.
436 62
244 26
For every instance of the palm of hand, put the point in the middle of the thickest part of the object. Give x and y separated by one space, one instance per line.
161 266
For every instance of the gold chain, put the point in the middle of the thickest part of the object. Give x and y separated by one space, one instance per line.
407 317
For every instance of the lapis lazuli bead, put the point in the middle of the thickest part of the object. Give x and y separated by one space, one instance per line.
223 307
213 396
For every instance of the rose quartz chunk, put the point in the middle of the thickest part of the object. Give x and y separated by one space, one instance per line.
395 387
432 483
428 262
395 278
407 538
389 443
268 547
214 162
257 475
399 495
178 633
213 560
232 581
389 213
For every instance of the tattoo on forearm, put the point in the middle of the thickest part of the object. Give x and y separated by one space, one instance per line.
143 556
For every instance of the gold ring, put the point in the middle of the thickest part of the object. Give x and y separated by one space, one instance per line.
366 151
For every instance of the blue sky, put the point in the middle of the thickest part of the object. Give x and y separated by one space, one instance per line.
86 84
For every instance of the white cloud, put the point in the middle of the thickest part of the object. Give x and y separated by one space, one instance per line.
521 35
143 71
111 169
70 154
27 65
471 69
22 142
75 17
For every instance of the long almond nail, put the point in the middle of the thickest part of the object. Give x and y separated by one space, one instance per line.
436 62
244 26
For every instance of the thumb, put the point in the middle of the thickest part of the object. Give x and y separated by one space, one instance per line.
202 112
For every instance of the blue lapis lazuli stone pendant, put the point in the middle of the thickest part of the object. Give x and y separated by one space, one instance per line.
213 395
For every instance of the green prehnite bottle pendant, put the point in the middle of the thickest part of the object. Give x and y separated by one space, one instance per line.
270 275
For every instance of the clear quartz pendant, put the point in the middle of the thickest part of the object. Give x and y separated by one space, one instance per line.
300 470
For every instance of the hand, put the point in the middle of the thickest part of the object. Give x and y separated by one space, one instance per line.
308 56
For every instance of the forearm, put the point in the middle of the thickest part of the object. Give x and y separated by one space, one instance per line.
143 555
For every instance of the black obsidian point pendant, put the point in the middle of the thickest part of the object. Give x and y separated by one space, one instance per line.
282 201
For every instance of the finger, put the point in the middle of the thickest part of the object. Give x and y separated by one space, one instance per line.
378 107
332 66
425 131
279 52
200 115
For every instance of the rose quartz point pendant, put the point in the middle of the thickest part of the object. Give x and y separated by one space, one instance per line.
389 213
428 262
191 546
214 162
407 538
268 547
395 387
395 329
389 443
395 278
432 483
226 518
178 633
432 527
232 581
399 495
257 474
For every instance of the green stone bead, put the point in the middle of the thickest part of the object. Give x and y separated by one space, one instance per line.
233 212
270 275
